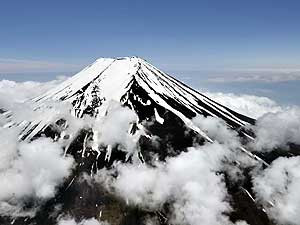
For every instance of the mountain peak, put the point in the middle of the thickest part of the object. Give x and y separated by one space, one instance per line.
111 74
142 87
139 113
121 58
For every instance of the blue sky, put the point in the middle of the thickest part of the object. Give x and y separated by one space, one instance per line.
48 37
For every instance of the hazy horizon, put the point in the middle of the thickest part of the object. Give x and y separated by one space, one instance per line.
277 86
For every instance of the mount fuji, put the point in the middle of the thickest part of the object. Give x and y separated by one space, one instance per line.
143 88
161 112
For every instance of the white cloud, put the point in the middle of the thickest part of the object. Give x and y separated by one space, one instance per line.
30 170
8 148
113 128
217 130
15 92
15 96
277 187
277 129
91 221
276 125
250 105
190 181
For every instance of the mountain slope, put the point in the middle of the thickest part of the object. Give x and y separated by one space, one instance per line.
162 127
137 84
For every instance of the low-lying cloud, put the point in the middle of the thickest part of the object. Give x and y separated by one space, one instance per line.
12 93
30 171
277 188
277 130
70 221
113 128
195 189
192 183
250 105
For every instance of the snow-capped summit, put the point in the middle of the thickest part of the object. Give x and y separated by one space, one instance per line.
109 75
128 111
143 88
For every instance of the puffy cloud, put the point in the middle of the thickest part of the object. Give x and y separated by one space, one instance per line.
190 181
217 129
30 170
241 223
91 221
8 148
250 105
113 128
276 126
277 187
15 92
277 129
14 98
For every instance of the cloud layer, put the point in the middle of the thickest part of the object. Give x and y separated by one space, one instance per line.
192 183
30 171
250 105
113 128
17 92
277 187
70 221
198 193
275 130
